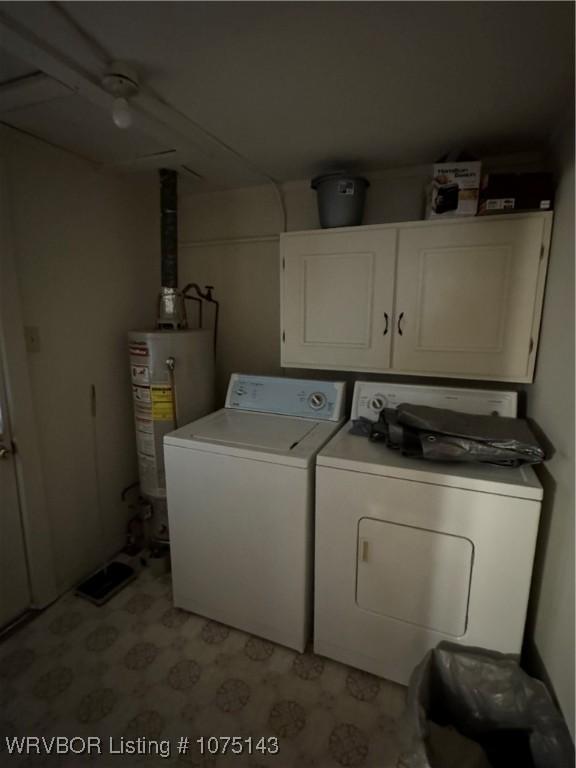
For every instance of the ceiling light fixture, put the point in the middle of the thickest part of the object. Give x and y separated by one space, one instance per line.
121 82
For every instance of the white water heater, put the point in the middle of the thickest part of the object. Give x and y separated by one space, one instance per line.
172 376
172 368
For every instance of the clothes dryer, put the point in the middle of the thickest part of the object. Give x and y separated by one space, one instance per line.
410 552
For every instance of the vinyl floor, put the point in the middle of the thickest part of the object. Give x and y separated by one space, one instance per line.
140 672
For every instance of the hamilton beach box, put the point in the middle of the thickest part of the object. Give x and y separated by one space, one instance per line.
454 190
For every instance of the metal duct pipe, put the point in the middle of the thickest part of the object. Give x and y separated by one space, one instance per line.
169 227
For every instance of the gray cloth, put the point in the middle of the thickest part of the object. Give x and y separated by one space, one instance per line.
438 434
448 435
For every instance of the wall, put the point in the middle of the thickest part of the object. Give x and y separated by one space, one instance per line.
246 274
86 253
551 405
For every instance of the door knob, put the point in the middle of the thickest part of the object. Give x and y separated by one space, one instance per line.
4 452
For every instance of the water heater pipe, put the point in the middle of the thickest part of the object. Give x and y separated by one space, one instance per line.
169 227
205 295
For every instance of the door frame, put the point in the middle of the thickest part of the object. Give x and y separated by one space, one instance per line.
21 412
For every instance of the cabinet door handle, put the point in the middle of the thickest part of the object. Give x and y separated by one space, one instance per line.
400 318
386 326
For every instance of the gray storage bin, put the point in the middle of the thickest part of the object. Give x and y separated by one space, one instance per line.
340 199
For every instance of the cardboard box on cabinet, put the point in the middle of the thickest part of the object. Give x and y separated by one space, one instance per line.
509 192
454 190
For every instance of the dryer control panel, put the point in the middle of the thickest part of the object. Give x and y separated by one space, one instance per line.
370 397
307 398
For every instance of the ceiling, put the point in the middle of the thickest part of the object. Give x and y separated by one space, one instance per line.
242 91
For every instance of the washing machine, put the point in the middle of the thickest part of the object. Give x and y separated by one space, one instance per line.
240 490
410 552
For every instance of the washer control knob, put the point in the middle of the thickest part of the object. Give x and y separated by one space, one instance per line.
317 400
377 403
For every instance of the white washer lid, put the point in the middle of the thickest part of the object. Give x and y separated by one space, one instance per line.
263 431
261 436
359 454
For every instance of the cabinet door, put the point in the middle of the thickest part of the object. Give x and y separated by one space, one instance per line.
468 298
337 299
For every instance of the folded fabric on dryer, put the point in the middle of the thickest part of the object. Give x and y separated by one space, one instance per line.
439 434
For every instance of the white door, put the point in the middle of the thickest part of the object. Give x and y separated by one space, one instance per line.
14 584
337 299
415 575
467 298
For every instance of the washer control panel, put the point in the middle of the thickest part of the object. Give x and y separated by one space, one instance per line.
322 400
370 397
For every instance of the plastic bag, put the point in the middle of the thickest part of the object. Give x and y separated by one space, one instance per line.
486 697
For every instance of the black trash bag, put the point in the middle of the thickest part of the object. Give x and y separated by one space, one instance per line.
490 709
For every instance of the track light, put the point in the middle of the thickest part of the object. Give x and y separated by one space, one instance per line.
122 83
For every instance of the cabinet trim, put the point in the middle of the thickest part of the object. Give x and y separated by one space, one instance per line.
403 373
539 299
547 216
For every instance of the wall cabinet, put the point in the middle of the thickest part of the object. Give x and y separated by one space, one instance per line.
459 298
338 297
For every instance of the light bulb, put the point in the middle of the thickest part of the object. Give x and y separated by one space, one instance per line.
121 113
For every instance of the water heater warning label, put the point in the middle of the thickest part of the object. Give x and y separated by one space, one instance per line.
145 443
162 403
141 394
140 374
138 349
145 434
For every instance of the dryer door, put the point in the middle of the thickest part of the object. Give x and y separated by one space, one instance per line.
414 575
